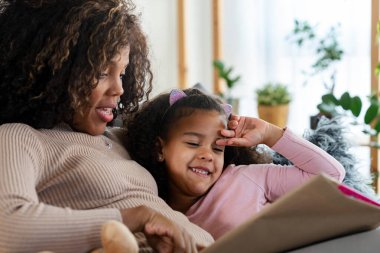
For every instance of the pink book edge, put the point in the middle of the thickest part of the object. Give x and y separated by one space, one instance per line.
356 194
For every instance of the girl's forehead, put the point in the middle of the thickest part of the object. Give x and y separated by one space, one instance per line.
202 119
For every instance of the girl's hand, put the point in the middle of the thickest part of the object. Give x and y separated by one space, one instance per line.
163 235
248 132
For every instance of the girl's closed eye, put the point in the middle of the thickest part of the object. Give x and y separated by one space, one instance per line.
218 149
192 143
122 75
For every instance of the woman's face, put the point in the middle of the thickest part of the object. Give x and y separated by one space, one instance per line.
194 162
104 97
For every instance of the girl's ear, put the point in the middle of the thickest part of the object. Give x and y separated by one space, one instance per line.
160 153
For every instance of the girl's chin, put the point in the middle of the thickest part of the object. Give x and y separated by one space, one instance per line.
200 192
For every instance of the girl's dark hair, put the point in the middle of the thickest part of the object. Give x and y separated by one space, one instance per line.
154 120
52 53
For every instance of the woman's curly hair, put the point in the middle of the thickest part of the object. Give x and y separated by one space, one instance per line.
52 53
155 119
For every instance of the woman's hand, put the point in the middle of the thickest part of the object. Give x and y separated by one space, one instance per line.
248 132
162 234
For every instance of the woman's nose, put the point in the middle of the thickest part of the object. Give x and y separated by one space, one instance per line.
117 87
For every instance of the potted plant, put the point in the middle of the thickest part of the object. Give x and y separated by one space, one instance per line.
328 52
349 105
226 74
273 103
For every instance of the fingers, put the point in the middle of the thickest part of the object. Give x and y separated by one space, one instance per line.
233 122
161 239
237 142
182 244
200 247
235 117
190 244
162 234
224 142
158 229
165 236
227 133
161 244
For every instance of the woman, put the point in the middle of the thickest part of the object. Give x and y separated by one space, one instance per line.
66 68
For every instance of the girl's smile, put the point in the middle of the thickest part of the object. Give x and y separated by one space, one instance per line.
194 162
201 171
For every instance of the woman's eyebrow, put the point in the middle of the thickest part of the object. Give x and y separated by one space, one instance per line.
113 63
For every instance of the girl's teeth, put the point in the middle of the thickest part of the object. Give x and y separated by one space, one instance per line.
200 171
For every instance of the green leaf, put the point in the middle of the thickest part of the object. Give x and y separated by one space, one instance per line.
218 64
377 69
330 98
377 126
225 73
345 101
228 71
371 113
356 106
273 94
373 98
326 108
236 79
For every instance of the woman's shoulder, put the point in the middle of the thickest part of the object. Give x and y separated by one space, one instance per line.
16 129
21 140
19 135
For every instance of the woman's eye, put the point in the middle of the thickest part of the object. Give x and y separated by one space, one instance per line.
122 76
103 75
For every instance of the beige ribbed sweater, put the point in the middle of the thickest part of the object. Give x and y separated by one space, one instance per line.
58 186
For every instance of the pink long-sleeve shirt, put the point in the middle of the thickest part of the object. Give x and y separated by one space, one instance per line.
244 190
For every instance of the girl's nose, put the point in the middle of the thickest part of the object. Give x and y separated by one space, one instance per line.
205 154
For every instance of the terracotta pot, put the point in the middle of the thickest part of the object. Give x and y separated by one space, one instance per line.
275 114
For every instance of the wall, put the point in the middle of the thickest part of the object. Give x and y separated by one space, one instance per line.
159 21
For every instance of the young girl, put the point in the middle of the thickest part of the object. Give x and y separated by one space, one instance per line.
181 138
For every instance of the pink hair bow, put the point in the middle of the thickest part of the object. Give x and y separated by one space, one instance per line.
177 94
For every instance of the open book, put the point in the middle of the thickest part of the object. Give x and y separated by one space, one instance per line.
319 210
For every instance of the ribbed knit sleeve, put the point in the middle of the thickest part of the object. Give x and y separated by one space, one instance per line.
57 187
26 224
